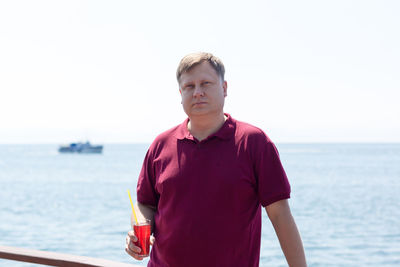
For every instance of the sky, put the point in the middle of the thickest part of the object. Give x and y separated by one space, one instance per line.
303 71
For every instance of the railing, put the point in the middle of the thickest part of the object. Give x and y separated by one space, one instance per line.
56 259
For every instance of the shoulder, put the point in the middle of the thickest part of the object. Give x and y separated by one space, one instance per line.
249 132
165 139
253 140
168 135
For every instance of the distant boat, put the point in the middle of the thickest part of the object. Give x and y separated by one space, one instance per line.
81 148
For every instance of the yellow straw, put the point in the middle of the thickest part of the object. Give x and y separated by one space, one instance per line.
133 209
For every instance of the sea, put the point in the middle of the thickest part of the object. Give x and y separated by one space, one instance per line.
345 200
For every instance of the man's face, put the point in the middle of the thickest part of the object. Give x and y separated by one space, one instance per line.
202 90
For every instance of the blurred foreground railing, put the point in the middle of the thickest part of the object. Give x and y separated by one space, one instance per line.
55 259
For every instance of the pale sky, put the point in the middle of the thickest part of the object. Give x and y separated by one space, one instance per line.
303 71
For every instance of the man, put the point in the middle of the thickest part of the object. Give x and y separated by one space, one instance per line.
203 182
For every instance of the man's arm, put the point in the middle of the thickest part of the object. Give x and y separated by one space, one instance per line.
143 212
286 230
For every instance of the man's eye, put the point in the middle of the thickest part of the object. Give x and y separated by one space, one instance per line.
188 87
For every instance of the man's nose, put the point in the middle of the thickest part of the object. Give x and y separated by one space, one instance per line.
198 91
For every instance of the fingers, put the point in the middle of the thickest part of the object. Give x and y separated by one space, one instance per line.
132 236
131 248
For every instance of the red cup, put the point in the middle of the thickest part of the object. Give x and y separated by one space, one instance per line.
142 232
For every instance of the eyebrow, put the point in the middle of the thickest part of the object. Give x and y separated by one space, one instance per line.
186 84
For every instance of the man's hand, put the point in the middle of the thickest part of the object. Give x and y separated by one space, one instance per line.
132 249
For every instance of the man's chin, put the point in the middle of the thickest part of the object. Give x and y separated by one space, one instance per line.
198 112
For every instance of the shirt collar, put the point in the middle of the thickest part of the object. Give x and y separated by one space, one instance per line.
225 132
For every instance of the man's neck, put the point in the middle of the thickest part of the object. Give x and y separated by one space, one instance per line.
201 128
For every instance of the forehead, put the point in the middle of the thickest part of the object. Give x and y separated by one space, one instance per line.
203 70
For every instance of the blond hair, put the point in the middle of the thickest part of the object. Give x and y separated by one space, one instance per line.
194 59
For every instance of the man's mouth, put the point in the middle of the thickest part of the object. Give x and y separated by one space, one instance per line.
199 103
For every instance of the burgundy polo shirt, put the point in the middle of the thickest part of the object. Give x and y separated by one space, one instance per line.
209 194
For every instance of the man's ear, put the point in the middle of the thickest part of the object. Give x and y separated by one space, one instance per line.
225 86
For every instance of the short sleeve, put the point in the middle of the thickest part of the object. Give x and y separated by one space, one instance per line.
146 193
273 184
